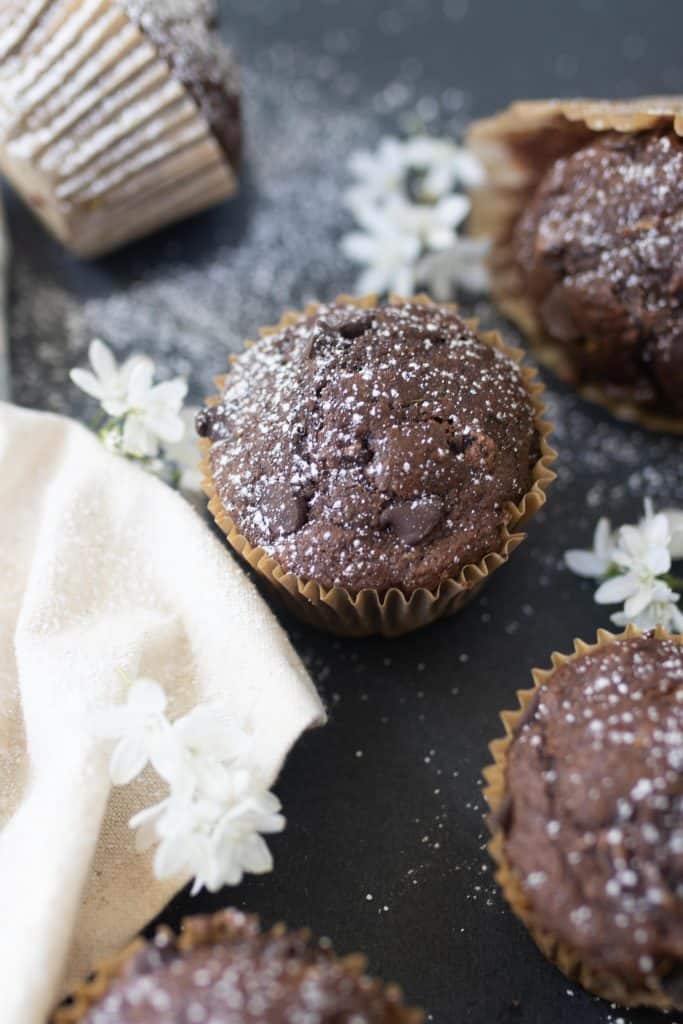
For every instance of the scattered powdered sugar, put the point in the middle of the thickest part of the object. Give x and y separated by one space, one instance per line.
192 295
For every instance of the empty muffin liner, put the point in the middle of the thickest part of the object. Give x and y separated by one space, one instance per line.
368 612
205 931
516 147
600 982
96 134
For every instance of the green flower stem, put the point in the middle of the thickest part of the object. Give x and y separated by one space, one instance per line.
675 582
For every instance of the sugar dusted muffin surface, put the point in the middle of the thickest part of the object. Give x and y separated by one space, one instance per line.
373 447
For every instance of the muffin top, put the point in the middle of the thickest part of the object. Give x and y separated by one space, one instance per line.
373 447
233 973
185 33
600 246
593 823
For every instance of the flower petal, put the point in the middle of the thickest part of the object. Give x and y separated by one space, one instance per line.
137 440
585 563
127 761
616 590
102 361
147 695
87 381
674 518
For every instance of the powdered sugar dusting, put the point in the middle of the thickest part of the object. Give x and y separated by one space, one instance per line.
373 447
601 760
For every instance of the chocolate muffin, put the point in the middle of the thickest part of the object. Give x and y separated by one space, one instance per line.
369 447
119 118
583 203
600 246
224 968
587 796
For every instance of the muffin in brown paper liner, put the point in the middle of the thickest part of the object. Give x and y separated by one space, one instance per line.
105 127
517 147
600 982
392 613
229 927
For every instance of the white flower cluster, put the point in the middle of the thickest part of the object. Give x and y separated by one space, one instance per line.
634 565
408 205
211 825
141 419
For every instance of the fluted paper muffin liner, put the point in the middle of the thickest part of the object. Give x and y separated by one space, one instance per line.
516 147
391 613
600 982
95 132
197 932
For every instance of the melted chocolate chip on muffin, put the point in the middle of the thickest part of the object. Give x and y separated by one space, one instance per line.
373 448
232 972
184 33
593 820
600 246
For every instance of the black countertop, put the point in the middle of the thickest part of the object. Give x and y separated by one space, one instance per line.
385 848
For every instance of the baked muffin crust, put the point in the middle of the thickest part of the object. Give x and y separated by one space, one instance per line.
600 247
592 823
373 447
225 968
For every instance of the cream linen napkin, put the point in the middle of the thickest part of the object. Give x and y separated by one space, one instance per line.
103 566
4 341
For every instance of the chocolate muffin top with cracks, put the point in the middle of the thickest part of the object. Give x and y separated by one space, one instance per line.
600 246
232 973
373 447
593 823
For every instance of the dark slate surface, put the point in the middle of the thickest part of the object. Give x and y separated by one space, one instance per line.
385 849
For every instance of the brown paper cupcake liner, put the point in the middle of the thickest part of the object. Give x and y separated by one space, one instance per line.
602 983
95 132
516 147
390 614
195 933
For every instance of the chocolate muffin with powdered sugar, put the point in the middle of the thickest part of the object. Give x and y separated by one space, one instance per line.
373 447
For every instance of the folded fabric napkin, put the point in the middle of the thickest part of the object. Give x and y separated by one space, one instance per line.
4 269
102 567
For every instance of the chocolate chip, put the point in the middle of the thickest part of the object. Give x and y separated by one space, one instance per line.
283 509
354 326
412 521
202 422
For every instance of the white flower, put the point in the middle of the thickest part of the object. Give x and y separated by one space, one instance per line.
108 382
596 562
674 517
463 265
445 165
207 746
216 841
143 732
212 821
378 173
153 413
389 257
644 548
634 565
636 592
659 613
405 204
433 224
186 454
